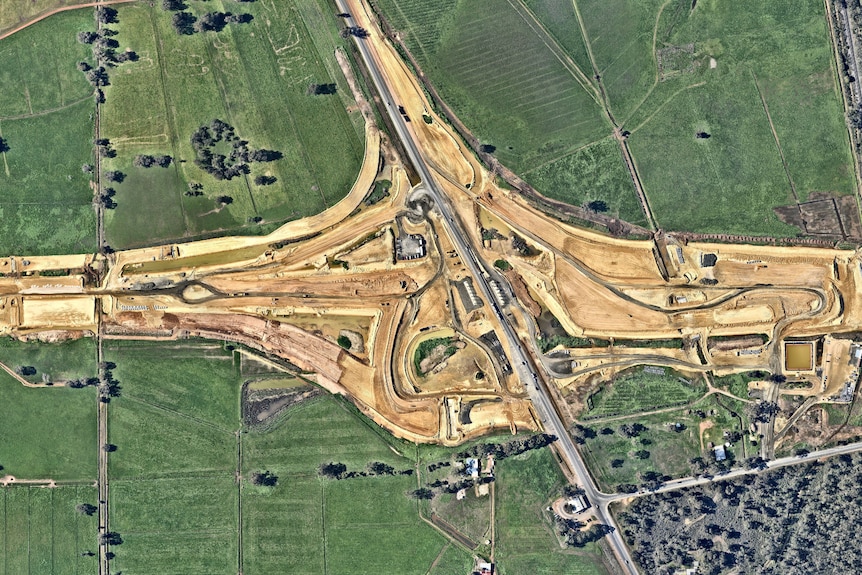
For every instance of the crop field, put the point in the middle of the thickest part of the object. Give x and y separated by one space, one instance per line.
253 76
46 119
757 79
40 531
48 433
637 391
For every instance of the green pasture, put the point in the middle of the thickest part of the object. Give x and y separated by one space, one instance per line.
777 52
46 119
253 76
526 543
40 531
501 78
670 451
14 13
637 391
62 361
48 432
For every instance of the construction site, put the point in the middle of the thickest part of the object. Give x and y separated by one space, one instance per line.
374 300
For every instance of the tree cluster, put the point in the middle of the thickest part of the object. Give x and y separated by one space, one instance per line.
510 448
209 140
339 471
322 89
264 478
147 161
575 535
186 23
764 411
790 520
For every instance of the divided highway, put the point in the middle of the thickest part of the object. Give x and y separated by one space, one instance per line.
520 360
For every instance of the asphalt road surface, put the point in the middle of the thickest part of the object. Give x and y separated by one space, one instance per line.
520 361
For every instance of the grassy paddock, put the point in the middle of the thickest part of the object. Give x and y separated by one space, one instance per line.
73 359
40 531
309 525
525 540
777 52
14 13
638 390
47 432
171 524
531 108
253 76
46 117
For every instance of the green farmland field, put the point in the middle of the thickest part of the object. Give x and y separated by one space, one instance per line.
773 52
638 390
48 433
46 118
175 499
40 531
14 12
253 76
516 89
62 361
669 70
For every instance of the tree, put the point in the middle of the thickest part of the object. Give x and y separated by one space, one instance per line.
106 15
642 454
597 206
84 67
87 37
854 117
265 180
323 89
4 147
86 508
183 23
109 448
87 168
332 470
266 155
114 176
422 493
344 341
25 370
617 463
264 478
224 200
173 5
